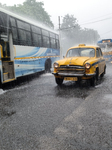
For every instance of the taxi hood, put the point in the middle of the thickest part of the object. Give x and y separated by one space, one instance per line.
73 61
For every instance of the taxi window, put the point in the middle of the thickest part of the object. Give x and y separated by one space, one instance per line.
73 53
97 53
89 52
100 52
81 52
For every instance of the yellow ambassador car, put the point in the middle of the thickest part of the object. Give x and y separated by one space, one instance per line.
80 63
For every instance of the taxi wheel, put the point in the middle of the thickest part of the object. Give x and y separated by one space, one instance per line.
93 81
102 75
78 82
97 74
105 70
59 81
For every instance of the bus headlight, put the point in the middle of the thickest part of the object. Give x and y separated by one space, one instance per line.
87 66
56 65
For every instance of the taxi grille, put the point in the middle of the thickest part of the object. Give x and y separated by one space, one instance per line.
71 69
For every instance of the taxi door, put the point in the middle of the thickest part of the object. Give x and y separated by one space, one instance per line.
102 61
98 55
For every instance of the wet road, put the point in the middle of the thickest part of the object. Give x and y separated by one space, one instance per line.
39 115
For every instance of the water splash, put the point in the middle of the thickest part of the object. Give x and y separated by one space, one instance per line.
2 91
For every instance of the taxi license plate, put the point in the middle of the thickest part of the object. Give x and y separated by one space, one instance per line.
71 78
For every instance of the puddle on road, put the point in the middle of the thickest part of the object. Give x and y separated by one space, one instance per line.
47 74
2 91
100 85
72 90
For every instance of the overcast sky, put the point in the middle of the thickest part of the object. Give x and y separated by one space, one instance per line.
94 14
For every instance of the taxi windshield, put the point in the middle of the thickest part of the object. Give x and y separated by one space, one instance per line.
81 52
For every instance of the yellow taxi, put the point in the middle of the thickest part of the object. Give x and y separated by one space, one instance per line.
80 63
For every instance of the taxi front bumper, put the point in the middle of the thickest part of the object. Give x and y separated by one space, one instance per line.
73 75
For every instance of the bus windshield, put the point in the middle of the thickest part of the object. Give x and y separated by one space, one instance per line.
81 52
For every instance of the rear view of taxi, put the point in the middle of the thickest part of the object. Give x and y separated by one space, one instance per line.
80 63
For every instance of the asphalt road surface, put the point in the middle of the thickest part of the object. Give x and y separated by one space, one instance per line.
39 115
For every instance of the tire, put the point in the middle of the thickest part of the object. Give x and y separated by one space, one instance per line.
93 81
97 74
59 81
105 70
78 82
102 75
48 66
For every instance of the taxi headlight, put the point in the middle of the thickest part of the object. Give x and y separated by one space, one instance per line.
56 65
87 66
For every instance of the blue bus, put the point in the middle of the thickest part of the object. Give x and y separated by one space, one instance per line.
25 47
106 46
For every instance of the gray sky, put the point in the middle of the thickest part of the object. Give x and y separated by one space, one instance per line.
94 14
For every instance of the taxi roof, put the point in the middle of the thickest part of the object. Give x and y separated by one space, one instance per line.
84 46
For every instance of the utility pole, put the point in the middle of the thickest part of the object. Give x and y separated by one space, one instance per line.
60 37
59 21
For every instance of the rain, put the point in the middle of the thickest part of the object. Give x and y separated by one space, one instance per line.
51 98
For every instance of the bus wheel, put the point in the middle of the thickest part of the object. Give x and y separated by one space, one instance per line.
59 81
48 66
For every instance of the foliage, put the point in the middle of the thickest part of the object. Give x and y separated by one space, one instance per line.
75 34
32 9
71 32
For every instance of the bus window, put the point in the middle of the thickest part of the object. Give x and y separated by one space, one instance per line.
52 35
46 42
53 43
3 23
22 37
28 38
27 27
57 37
13 22
57 44
14 34
46 33
37 40
23 25
36 29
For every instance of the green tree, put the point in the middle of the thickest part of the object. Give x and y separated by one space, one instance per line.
69 25
69 31
33 10
75 34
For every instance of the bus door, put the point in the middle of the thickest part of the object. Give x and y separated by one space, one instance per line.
7 58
